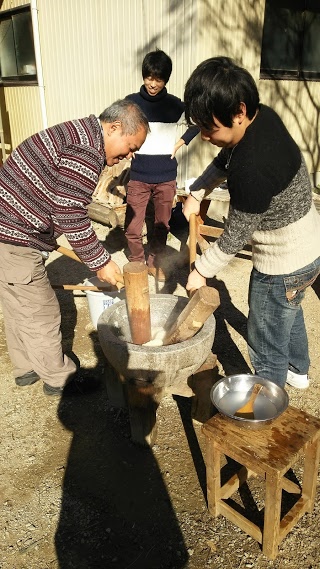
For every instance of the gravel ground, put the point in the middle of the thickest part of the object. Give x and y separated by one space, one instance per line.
77 493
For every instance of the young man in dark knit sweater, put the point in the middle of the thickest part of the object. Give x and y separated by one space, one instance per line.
45 187
271 206
154 168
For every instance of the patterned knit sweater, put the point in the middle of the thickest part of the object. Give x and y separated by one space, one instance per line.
152 163
45 186
271 202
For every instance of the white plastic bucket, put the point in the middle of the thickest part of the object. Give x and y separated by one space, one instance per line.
99 301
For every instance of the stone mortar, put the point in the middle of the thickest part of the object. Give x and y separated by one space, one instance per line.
162 366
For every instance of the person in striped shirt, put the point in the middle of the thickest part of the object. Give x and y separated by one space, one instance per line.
45 187
153 170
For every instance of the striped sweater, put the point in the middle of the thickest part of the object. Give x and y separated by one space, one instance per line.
271 202
152 163
46 185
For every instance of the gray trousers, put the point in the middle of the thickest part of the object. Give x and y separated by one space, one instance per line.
32 316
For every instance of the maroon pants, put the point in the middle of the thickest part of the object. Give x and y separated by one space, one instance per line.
138 195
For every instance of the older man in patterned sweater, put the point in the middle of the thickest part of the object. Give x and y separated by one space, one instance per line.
45 187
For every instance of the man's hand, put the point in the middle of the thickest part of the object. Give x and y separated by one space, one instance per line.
109 272
191 205
176 147
195 280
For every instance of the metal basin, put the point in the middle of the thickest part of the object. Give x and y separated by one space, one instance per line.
232 392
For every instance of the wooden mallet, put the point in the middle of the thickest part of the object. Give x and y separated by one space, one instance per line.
70 253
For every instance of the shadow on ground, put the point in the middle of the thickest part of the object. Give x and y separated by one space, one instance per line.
115 509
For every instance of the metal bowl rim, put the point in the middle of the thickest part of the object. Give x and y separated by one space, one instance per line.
257 378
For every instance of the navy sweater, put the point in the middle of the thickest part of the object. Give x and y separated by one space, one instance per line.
153 163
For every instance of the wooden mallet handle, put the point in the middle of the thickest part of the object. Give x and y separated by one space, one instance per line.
192 241
200 306
70 253
138 301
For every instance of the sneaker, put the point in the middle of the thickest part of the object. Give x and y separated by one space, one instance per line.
297 380
78 385
157 273
49 390
27 378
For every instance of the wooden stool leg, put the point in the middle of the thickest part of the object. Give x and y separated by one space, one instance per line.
311 463
272 511
213 464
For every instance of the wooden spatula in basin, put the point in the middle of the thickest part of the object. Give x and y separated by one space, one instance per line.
246 411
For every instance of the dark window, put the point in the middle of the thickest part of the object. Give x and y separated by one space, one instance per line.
17 56
291 40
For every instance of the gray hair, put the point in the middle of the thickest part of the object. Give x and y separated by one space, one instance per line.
128 113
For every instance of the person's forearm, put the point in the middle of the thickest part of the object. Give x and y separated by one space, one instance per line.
212 261
206 182
177 145
77 228
238 231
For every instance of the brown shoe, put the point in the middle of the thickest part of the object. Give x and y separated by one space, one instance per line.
157 273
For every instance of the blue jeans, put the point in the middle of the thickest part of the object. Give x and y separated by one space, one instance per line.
277 338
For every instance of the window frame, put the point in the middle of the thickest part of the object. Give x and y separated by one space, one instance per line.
19 79
301 37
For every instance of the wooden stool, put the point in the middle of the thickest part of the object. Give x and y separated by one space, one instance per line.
268 452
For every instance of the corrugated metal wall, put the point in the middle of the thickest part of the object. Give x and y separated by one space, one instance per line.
236 31
24 114
92 52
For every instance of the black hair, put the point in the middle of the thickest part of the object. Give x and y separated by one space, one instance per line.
216 88
157 64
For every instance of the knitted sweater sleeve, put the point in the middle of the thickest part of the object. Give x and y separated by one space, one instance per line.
190 134
207 181
238 231
78 177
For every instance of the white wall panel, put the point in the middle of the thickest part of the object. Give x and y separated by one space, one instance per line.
9 4
22 105
92 52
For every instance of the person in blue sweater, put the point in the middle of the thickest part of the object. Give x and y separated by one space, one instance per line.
154 167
